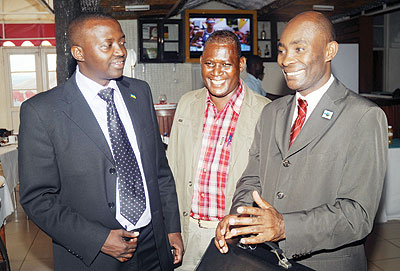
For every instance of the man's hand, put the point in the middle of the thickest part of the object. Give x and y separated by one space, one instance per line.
175 240
119 248
222 233
263 224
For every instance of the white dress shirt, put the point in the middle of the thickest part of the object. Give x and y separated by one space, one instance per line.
90 89
312 99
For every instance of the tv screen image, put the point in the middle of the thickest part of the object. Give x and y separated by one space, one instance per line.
200 28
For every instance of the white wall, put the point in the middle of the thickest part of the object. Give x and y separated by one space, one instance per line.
393 81
393 51
274 81
345 65
173 80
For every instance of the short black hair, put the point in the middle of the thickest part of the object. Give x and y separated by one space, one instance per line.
76 25
225 37
253 60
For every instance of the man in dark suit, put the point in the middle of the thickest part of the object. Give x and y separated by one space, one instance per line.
93 171
317 163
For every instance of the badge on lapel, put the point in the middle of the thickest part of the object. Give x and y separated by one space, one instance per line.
327 114
133 96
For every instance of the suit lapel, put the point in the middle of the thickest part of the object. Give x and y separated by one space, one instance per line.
317 125
241 134
135 106
197 109
283 124
74 105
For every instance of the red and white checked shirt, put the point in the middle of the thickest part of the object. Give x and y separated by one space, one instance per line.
208 201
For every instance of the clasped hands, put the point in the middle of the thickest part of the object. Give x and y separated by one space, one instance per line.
121 244
261 224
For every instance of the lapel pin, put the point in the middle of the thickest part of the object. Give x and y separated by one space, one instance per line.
133 96
327 114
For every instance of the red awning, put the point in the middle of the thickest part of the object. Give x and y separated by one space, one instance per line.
35 33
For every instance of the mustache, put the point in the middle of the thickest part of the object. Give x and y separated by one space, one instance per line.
120 58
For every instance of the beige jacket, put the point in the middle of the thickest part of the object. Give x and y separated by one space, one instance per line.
185 145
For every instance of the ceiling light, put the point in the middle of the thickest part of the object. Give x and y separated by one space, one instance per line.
323 7
137 7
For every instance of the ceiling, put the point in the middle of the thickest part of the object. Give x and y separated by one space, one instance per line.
281 10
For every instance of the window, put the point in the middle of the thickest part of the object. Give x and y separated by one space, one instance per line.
28 71
23 77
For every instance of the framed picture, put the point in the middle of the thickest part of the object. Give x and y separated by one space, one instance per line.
153 33
146 32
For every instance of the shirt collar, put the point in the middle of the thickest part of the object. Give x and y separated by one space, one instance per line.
90 88
314 97
235 101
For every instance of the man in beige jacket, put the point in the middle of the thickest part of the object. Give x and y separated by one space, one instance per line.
208 149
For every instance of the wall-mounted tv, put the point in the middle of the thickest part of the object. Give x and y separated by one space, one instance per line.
200 24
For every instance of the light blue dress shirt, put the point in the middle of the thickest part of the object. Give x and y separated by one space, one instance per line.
254 84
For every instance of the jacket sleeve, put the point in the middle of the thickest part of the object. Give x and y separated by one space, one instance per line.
250 180
166 182
40 191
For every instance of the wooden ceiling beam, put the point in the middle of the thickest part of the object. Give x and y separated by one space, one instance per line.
177 6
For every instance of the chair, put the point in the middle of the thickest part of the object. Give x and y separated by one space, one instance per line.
4 261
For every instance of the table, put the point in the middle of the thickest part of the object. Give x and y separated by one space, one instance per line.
9 162
7 207
389 208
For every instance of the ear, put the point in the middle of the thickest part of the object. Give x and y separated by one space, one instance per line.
77 53
242 63
201 59
331 50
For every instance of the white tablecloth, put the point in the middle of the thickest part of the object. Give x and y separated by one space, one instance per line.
389 208
9 162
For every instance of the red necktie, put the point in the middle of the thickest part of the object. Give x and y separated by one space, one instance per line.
301 117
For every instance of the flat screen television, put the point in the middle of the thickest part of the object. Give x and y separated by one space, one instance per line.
200 24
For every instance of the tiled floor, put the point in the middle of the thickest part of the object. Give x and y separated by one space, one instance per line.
29 249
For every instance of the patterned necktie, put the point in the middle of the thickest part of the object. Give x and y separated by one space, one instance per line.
301 117
130 184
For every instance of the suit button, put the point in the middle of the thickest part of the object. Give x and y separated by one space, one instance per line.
280 195
190 184
112 170
111 204
185 213
286 163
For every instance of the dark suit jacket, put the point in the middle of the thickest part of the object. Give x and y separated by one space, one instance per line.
67 176
328 184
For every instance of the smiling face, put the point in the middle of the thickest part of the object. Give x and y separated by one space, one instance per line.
220 68
304 54
101 51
